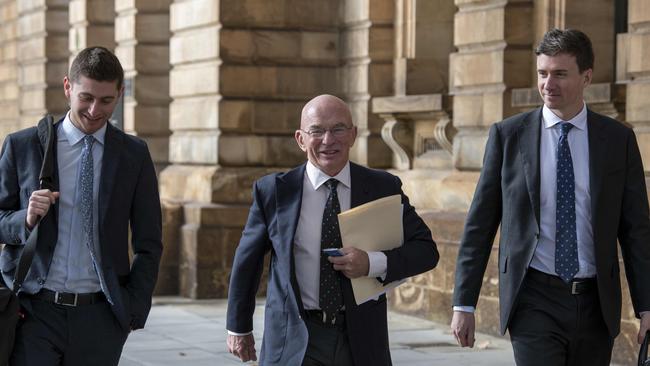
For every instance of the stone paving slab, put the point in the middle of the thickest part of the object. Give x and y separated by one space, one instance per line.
183 332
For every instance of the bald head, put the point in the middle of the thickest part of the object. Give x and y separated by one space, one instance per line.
326 133
325 106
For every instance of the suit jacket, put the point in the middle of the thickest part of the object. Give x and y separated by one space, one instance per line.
508 193
128 195
271 226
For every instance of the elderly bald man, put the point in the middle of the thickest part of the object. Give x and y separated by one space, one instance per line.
311 317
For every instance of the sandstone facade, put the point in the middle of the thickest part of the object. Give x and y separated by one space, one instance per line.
215 87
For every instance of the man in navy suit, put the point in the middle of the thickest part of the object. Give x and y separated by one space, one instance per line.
311 317
82 294
567 188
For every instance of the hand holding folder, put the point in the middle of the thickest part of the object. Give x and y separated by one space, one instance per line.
374 226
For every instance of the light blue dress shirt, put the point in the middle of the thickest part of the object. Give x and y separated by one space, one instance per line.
72 268
544 257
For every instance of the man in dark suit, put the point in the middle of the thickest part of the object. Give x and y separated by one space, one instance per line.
564 183
311 317
82 295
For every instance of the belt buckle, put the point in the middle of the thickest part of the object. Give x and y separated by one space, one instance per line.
327 321
574 287
59 301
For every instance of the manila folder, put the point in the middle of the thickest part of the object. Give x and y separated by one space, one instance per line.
374 226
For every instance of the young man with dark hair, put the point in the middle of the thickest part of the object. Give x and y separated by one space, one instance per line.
564 183
82 295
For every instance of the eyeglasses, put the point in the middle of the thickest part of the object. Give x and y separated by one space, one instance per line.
319 133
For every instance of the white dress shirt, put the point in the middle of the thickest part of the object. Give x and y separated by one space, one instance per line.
307 246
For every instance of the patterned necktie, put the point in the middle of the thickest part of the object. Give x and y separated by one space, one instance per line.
330 297
566 242
86 185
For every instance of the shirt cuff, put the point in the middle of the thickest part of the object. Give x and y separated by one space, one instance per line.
239 334
377 264
642 313
465 309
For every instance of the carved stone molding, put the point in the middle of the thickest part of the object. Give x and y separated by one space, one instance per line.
418 130
393 133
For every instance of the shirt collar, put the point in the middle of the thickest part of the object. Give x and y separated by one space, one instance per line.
73 135
317 178
579 121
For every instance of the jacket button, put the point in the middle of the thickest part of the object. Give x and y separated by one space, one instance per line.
41 281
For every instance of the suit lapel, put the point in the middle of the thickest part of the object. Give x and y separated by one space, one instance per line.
289 200
110 163
288 203
359 192
597 136
529 142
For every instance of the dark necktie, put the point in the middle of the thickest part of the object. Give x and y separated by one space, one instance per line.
330 297
566 242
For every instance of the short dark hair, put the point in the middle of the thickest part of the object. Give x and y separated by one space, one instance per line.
97 63
569 41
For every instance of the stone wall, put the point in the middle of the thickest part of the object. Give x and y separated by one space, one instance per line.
142 34
9 90
216 88
42 59
494 41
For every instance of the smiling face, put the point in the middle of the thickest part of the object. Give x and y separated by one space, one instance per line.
561 84
331 151
91 102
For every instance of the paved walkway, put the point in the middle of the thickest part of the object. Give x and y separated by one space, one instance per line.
182 332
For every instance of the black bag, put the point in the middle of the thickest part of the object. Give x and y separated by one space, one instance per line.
8 321
9 305
643 353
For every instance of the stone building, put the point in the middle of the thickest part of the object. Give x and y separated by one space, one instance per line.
216 87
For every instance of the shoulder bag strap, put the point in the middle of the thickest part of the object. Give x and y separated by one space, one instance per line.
46 179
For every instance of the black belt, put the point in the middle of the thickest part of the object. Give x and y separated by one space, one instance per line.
576 286
319 316
69 299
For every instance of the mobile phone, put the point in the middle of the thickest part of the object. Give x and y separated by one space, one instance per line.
333 252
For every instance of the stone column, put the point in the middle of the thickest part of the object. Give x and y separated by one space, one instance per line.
91 24
633 69
9 91
43 58
491 35
236 104
142 34
366 72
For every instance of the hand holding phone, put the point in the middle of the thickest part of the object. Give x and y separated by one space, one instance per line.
333 252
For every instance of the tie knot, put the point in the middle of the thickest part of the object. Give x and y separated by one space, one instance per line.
566 127
89 140
331 184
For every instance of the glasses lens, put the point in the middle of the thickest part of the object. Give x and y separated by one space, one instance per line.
339 131
316 133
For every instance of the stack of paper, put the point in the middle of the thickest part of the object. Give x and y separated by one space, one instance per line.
374 226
